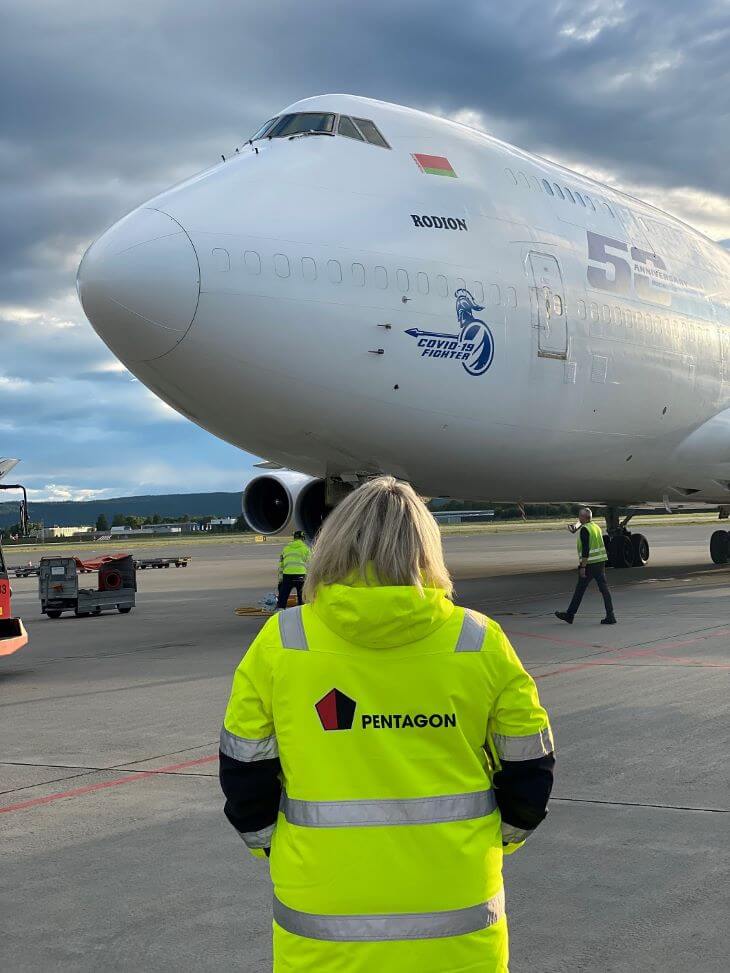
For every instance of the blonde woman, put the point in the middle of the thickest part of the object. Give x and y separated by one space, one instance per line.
385 749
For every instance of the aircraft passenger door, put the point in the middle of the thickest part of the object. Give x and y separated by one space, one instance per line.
725 360
548 306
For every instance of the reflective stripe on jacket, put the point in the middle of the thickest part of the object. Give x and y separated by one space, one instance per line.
395 725
294 558
596 549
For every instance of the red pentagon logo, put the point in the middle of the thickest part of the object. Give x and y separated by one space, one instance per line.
336 711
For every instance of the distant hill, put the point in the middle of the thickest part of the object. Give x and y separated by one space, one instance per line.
77 513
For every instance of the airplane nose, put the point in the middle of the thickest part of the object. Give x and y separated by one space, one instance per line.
139 285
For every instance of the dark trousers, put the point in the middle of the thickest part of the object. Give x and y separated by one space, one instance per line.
597 573
286 584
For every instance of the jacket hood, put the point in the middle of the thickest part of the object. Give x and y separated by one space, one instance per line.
381 617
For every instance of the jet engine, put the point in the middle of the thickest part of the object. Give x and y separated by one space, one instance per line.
285 501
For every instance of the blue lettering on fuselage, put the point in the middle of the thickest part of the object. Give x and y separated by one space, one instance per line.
473 346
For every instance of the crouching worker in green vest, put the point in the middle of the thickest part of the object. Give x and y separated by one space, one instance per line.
592 558
385 749
293 569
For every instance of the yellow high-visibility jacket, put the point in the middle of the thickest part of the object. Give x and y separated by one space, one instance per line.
370 741
294 558
596 546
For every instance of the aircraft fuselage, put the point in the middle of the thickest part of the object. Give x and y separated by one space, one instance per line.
507 329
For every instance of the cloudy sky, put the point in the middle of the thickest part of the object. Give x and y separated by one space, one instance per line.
106 103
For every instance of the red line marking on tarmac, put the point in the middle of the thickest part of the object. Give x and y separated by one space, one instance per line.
551 638
718 633
628 652
684 663
561 672
679 659
90 788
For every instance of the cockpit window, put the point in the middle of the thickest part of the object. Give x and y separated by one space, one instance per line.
320 123
371 133
287 125
263 130
347 127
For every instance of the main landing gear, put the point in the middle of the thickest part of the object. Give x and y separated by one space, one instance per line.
720 547
624 549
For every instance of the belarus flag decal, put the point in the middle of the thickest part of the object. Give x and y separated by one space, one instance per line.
434 165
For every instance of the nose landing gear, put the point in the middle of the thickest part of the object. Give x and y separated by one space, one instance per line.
624 548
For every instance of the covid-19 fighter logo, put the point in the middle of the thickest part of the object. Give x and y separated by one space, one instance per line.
473 346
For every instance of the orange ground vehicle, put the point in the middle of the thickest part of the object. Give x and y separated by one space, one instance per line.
12 631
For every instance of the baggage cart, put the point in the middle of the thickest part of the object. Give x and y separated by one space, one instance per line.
59 589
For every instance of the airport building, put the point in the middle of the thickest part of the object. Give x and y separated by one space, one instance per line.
222 522
50 533
150 529
191 527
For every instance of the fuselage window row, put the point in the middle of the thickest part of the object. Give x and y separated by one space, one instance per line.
554 190
679 335
379 277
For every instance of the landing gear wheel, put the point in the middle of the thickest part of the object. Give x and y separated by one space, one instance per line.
720 547
124 609
622 552
640 550
53 614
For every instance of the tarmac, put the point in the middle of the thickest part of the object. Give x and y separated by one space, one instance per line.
116 854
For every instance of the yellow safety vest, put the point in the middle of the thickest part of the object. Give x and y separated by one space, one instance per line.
294 558
389 709
597 549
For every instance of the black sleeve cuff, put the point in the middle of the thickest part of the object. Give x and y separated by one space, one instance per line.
522 788
252 790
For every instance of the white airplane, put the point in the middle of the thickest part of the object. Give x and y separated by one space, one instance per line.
366 288
6 465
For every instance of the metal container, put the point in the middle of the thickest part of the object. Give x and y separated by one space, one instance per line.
59 591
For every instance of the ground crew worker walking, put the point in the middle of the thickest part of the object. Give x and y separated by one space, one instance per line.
293 569
592 567
385 748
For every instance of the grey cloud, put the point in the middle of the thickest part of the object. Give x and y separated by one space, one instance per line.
106 104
